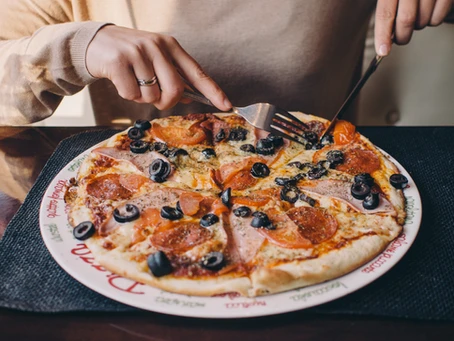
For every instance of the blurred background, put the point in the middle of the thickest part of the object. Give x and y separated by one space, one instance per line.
412 86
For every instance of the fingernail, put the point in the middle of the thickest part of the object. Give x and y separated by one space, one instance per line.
227 103
383 50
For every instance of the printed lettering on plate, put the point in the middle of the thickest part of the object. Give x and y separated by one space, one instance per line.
387 254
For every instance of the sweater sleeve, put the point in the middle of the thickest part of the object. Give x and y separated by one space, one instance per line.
37 71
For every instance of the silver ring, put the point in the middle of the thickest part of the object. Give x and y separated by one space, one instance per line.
147 82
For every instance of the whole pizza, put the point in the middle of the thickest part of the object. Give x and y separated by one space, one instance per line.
207 204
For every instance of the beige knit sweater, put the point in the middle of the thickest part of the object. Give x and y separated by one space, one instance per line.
299 54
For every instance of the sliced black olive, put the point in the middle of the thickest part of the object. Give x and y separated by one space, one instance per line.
360 190
327 139
307 199
335 157
371 201
174 152
242 211
139 146
213 261
260 219
264 147
295 164
316 172
277 141
209 219
159 169
135 133
126 213
298 177
226 196
219 136
171 213
308 146
248 148
285 181
365 178
84 230
398 181
178 207
159 264
142 124
159 147
209 153
260 170
310 137
238 134
317 146
290 194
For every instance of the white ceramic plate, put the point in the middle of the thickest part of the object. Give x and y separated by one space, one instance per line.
76 259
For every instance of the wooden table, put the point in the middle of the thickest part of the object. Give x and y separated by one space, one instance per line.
28 149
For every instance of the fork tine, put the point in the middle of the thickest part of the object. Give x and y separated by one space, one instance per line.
292 118
288 125
284 135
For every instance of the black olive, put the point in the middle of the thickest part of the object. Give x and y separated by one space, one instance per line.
360 190
264 147
317 146
135 133
308 146
260 220
295 164
209 153
142 124
298 177
209 219
248 148
327 139
126 213
238 134
139 146
310 137
307 199
371 201
335 157
324 164
260 170
365 178
277 141
219 136
242 211
174 152
171 213
178 207
84 230
159 169
159 147
316 172
159 264
285 181
213 261
290 194
226 195
398 181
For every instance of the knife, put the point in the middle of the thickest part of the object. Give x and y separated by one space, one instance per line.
370 70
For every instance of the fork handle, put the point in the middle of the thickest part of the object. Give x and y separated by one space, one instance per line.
196 97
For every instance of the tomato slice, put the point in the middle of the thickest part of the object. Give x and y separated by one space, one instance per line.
344 132
177 136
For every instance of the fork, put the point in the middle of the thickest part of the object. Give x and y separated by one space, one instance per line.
264 116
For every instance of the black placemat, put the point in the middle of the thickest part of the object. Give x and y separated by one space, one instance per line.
419 286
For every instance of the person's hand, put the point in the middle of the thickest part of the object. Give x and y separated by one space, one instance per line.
395 20
125 55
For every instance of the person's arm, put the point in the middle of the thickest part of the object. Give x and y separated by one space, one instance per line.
395 20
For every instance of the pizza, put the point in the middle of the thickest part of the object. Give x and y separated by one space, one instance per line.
207 204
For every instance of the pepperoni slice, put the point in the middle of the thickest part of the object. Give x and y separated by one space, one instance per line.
151 217
177 136
251 200
344 132
357 160
114 186
314 224
181 237
241 180
286 233
190 202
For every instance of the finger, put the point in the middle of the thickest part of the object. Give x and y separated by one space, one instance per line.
441 10
385 14
195 75
143 69
125 82
425 10
407 12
